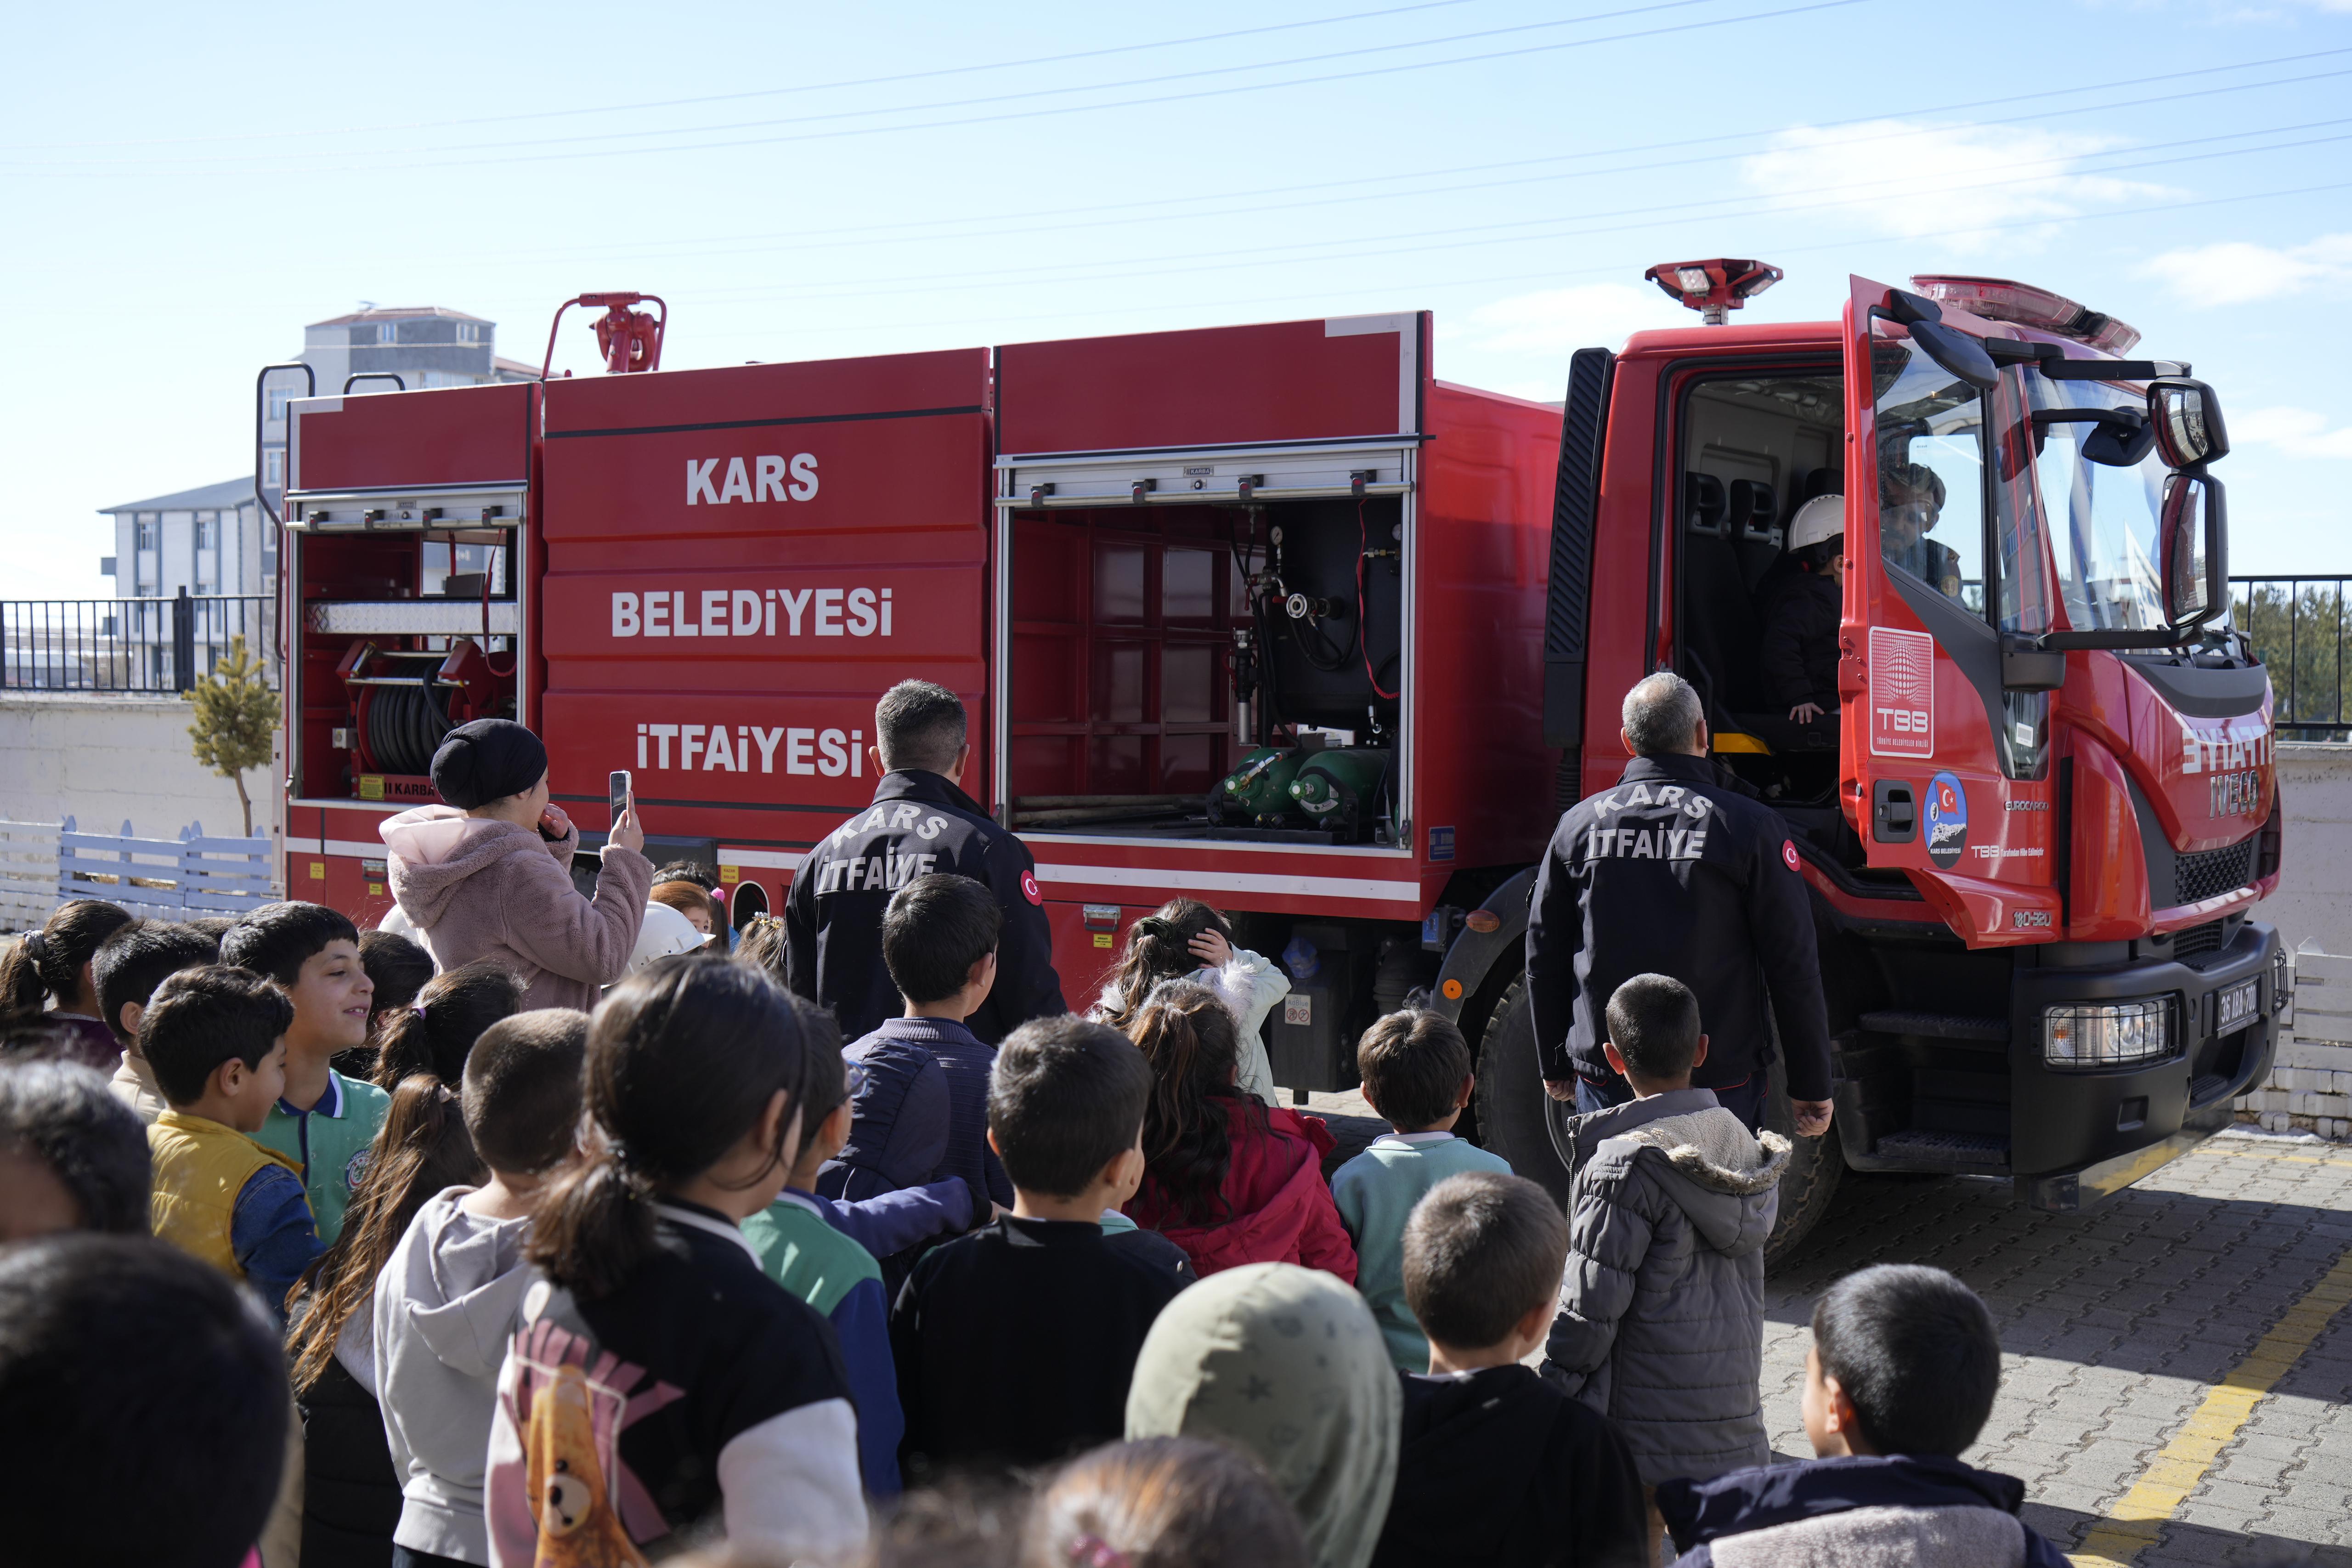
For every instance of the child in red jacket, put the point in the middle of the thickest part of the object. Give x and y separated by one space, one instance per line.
1227 1179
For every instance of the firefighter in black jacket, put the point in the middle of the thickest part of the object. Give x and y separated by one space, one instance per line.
919 823
1675 873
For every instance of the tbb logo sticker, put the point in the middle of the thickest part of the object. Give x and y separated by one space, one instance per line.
1947 821
1902 693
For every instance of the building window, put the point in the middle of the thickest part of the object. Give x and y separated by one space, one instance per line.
469 331
387 331
273 468
275 399
145 530
207 531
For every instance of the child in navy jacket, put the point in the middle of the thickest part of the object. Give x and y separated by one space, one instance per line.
1901 1376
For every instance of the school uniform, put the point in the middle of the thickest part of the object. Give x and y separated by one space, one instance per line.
802 1247
1499 1468
329 1142
1014 1344
1375 1194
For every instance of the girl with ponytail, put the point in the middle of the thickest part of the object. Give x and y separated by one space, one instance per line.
1225 1178
658 1380
435 1032
53 964
1184 939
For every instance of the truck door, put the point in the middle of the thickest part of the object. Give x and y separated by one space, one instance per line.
1944 774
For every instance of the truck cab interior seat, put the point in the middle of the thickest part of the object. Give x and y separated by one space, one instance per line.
1751 522
1720 630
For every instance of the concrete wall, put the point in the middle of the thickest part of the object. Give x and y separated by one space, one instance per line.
2313 906
102 759
2310 1086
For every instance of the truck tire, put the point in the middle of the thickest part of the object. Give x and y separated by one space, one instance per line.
1514 1113
1517 1121
1815 1165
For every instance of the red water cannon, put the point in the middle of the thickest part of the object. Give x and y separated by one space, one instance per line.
1713 288
629 340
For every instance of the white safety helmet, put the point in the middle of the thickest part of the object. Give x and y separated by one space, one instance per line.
1819 519
664 931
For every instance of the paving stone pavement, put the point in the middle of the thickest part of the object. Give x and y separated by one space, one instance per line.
2113 1324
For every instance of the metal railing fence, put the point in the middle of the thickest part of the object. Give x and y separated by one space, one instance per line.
2298 628
152 645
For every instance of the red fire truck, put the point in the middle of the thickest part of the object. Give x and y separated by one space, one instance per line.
1270 616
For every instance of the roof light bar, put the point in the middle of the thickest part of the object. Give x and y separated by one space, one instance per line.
1714 286
2002 299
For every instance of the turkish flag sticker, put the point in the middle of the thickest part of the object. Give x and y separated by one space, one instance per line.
1029 889
1789 852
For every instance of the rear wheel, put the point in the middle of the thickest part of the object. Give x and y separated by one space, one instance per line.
1526 1126
1815 1165
1514 1113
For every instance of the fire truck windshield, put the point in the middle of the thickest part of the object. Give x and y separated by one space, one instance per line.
2102 522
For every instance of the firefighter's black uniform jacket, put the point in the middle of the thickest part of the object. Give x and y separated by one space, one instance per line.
1674 872
919 823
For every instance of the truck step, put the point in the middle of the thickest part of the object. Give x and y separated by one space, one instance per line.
1945 1150
1938 1026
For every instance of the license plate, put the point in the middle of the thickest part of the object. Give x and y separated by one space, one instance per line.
2236 1005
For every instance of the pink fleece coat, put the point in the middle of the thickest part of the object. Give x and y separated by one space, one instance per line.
478 888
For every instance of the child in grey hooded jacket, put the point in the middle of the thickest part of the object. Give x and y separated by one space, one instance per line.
452 1292
1661 1320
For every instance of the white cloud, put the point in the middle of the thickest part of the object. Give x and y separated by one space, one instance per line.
2235 272
1559 320
1959 183
2298 432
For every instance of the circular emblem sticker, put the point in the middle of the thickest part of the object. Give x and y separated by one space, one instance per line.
1789 852
1947 821
1029 889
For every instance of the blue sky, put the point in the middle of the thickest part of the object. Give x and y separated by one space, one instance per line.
186 187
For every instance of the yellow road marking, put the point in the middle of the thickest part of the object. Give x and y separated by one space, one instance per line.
2342 1159
2130 1527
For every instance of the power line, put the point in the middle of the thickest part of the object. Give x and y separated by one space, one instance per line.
1458 237
1028 224
346 166
314 130
1555 275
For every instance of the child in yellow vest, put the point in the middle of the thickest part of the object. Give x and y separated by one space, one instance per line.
215 1037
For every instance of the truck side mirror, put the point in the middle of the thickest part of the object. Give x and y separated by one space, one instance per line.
2195 549
2187 418
1958 353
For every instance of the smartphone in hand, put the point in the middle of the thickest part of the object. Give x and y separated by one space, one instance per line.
617 786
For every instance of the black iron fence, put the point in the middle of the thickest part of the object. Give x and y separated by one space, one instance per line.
2298 628
151 645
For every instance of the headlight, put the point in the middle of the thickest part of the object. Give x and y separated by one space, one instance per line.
2107 1034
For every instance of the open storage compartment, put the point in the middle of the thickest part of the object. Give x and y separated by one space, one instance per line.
406 615
1212 648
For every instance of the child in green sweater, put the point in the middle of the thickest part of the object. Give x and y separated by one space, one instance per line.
1416 1072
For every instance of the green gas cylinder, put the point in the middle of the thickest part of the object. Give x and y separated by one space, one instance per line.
1336 789
1256 794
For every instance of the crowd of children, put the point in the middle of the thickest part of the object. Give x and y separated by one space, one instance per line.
436 1278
